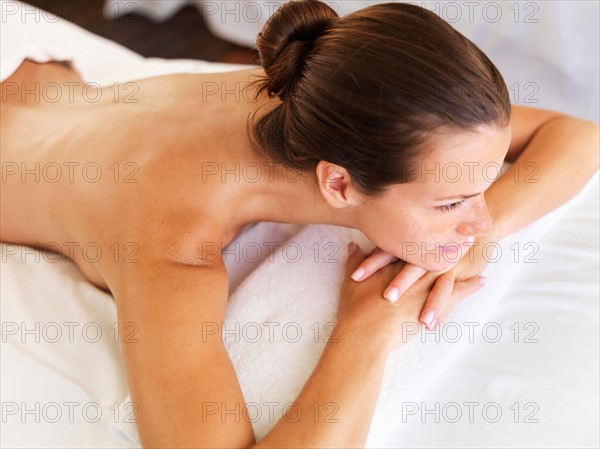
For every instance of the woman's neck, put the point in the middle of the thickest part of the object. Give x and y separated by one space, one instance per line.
279 194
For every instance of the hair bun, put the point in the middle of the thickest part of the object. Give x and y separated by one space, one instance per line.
287 39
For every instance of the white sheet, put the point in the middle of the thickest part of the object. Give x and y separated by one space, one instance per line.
559 373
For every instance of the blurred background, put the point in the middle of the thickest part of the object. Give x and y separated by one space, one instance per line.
171 29
547 50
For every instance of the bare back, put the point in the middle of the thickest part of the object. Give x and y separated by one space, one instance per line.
108 181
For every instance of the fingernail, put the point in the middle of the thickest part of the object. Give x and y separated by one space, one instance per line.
482 280
351 247
428 317
392 294
432 325
358 274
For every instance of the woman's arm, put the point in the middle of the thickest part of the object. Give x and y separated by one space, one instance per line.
178 372
553 157
338 400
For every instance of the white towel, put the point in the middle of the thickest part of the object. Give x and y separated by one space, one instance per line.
300 287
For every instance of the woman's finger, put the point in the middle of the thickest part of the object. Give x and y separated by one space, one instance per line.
462 289
408 275
372 263
438 296
355 257
469 286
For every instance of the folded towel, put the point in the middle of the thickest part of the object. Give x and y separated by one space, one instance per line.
278 319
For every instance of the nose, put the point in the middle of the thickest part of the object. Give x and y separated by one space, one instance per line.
481 222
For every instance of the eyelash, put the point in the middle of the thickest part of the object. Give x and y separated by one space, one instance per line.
452 206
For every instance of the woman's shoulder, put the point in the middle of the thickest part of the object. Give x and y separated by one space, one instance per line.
151 234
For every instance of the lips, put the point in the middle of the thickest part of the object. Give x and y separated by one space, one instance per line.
449 248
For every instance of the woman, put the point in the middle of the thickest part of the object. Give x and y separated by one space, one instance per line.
348 118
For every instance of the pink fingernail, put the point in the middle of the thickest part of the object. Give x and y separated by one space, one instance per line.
392 294
358 274
428 317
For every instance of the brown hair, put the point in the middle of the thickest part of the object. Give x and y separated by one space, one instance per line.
368 90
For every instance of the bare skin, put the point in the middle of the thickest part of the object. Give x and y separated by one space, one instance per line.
173 213
167 146
82 208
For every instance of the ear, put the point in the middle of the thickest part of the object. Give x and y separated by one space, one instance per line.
335 184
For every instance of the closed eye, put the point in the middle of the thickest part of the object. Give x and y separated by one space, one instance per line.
450 207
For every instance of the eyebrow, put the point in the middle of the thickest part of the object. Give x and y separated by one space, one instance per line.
463 197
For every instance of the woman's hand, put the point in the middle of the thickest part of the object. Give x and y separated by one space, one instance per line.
435 309
470 266
362 311
378 259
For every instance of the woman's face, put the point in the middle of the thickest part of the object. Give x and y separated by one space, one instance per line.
445 205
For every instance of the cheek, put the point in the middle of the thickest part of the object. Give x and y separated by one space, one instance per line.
412 235
431 225
418 227
390 231
427 232
405 235
437 222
